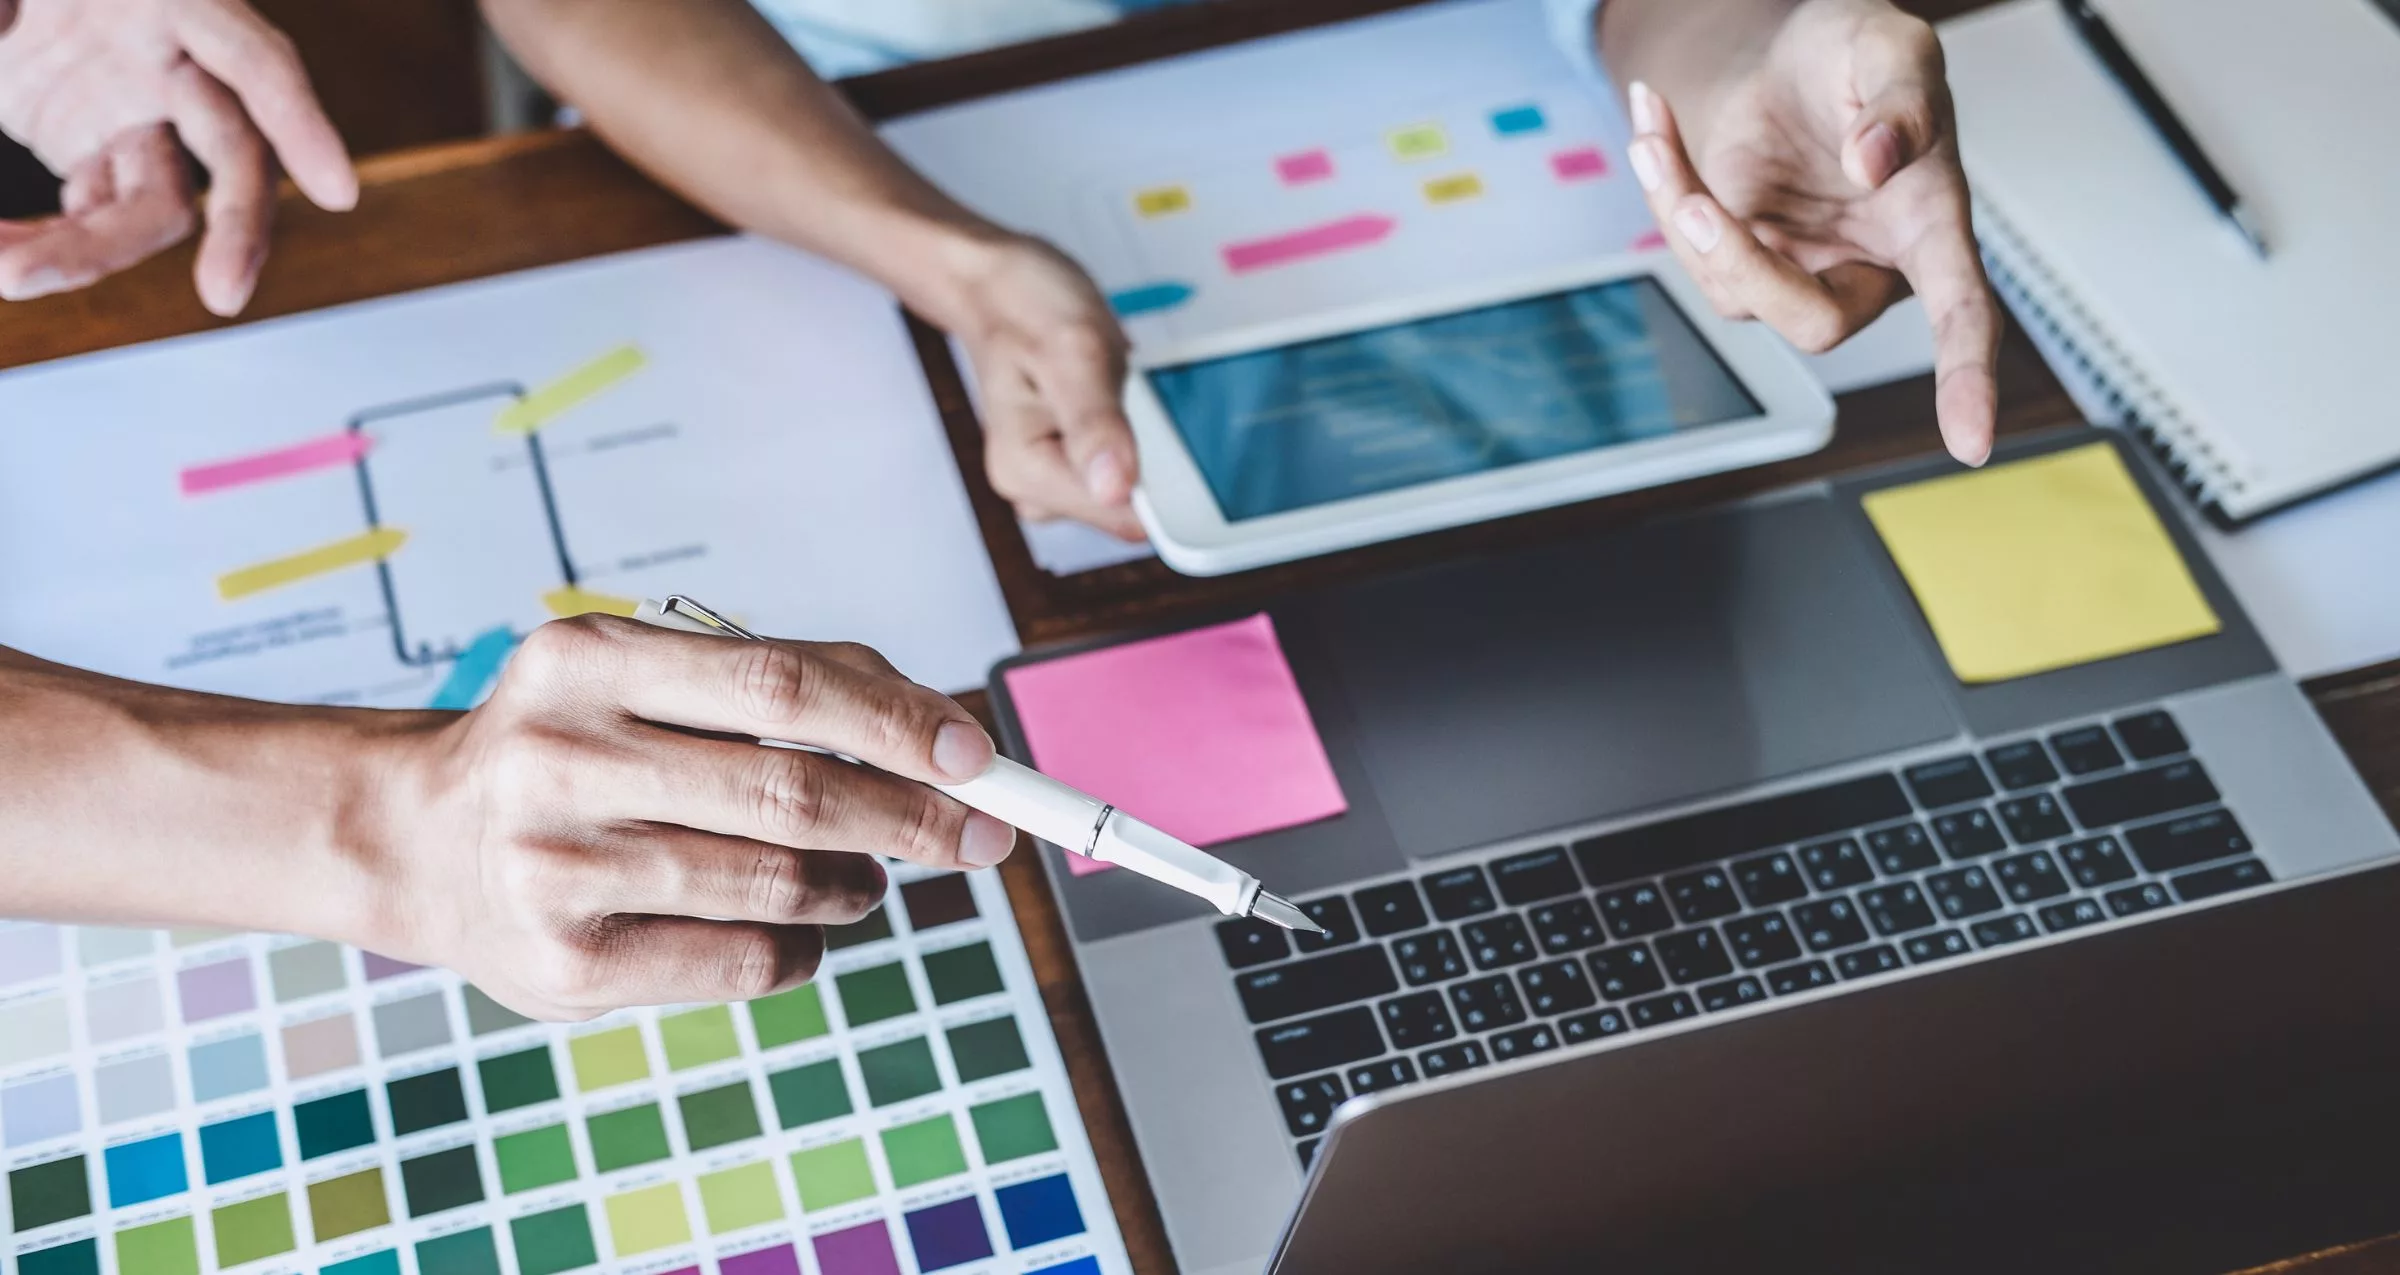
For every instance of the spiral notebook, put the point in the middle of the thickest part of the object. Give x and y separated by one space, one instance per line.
2260 382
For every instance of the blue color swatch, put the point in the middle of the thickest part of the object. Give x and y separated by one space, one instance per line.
145 1170
1039 1211
1080 1266
1513 120
386 1262
239 1148
475 669
224 1068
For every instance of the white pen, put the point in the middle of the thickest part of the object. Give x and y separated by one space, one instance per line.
1057 813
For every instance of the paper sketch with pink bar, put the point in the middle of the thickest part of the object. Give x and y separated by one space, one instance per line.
1203 734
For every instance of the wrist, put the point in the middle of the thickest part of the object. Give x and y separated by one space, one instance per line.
944 268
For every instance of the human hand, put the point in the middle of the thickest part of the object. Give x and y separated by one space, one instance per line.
1818 182
590 838
1049 364
102 90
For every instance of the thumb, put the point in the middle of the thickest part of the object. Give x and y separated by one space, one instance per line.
1904 108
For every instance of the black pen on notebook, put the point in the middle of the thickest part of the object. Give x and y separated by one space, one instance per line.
1072 820
2121 67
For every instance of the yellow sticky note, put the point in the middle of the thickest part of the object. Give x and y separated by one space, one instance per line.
1418 141
2040 564
535 409
1158 201
1443 190
568 600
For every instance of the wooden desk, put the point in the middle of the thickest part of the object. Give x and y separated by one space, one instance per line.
465 211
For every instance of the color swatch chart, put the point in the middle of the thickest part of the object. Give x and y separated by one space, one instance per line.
187 1101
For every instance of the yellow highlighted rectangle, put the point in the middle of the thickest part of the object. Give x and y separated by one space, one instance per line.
651 1218
1158 201
277 572
1444 190
613 1057
1418 141
2040 564
569 600
535 409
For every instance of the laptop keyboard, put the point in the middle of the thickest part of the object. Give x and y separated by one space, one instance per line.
1442 973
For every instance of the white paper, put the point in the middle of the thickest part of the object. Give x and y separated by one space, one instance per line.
776 454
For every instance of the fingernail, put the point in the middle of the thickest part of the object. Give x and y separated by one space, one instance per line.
1645 107
1698 224
38 282
961 750
1646 168
1105 477
986 841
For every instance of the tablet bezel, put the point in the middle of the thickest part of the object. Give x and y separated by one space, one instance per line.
1194 537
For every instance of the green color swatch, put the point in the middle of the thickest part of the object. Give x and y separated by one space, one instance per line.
874 925
485 1015
988 1048
40 1194
741 1197
798 1014
651 1218
608 1058
923 1151
466 1253
426 1102
833 1175
714 1117
962 973
805 1095
253 1229
161 1248
535 1158
518 1080
636 1135
698 1038
78 1257
382 1261
1013 1128
441 1181
333 1124
346 1205
897 1073
872 995
559 1240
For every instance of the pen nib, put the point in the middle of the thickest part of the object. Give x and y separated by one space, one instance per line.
1281 911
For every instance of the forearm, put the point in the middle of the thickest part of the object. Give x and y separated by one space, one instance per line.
137 804
705 96
1691 51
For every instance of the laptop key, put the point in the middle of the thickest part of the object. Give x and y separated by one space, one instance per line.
1764 938
1498 941
1428 958
1940 945
1949 782
1689 956
1826 924
1334 914
1800 978
2013 928
2224 879
2141 794
2152 735
1419 1018
1702 896
1836 865
1625 971
1307 1149
1308 1104
1556 988
2187 840
1902 850
1462 1056
1459 892
2073 914
1249 942
1769 879
1536 1039
1330 1040
2034 819
1320 982
1862 961
1568 926
2134 900
2021 765
1530 878
1635 910
2095 861
1896 909
2029 877
1731 993
2086 750
1486 1003
1962 893
1575 1029
1658 1010
1390 909
1383 1073
1968 834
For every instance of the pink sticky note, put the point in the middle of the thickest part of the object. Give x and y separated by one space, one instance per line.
1203 734
1579 163
1648 241
1305 167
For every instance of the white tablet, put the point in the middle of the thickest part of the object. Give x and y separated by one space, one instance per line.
1305 436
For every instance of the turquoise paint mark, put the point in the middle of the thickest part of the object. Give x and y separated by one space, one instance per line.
1511 121
1150 298
475 670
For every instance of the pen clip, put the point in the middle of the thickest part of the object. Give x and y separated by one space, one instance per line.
678 604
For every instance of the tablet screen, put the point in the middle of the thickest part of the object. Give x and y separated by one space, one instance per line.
1447 396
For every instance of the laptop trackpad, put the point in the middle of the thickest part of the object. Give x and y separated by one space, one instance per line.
1511 695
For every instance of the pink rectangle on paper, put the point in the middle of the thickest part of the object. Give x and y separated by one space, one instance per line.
382 967
1648 241
1203 734
1579 163
1305 167
300 458
213 991
1312 241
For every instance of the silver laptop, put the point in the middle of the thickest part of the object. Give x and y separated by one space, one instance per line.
1624 808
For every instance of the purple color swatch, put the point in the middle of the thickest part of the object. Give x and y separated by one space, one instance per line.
27 952
39 1111
779 1260
213 991
949 1234
382 967
861 1250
